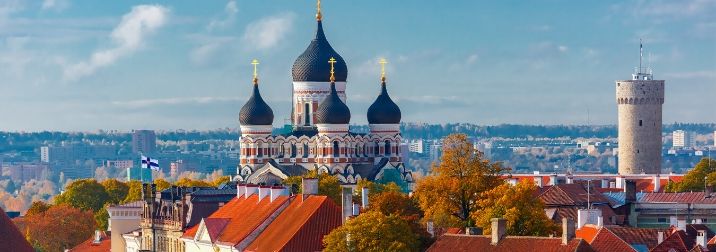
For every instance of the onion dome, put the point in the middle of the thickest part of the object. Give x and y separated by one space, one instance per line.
310 65
332 110
256 111
383 110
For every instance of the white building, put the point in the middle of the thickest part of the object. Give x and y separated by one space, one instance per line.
682 139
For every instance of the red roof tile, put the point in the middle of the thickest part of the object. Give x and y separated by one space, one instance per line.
684 197
214 226
676 241
458 243
618 238
587 232
11 239
89 245
300 227
570 195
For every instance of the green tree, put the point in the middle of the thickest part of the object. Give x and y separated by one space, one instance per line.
134 193
327 185
116 190
102 218
374 188
696 179
517 204
373 231
37 207
448 195
85 194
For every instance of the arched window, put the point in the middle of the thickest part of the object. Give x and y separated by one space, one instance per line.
335 149
305 150
293 150
376 149
307 111
387 148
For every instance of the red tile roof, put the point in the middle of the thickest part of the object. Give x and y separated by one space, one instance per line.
11 239
300 227
458 243
214 226
570 195
676 241
684 197
618 238
89 245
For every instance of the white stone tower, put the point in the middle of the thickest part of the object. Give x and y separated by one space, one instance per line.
639 103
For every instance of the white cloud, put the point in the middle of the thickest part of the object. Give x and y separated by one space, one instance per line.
230 11
472 59
56 5
128 37
267 32
209 48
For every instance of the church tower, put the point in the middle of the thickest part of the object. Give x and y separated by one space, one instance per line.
639 104
311 84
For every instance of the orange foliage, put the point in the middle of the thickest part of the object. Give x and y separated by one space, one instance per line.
60 227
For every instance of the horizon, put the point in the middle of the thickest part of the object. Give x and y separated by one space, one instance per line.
79 65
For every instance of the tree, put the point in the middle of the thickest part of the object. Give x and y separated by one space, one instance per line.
518 205
373 231
374 188
395 203
85 194
162 184
134 193
116 190
695 179
448 196
37 207
187 182
102 218
60 227
327 185
220 180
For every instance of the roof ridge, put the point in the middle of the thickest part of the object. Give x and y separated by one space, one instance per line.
323 201
615 235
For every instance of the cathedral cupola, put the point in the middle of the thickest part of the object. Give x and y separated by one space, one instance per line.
310 65
383 110
256 111
333 110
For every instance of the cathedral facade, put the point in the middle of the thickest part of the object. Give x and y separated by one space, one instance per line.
320 139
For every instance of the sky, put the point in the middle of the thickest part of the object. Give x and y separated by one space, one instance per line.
84 65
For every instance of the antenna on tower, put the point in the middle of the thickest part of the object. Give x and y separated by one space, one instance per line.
641 53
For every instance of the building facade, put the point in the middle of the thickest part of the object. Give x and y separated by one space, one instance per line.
320 138
144 141
640 118
682 139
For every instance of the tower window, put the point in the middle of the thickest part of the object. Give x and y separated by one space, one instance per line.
640 123
335 149
307 112
387 148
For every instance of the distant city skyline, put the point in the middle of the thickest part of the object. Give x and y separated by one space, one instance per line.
78 65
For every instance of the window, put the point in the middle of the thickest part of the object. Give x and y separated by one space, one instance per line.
307 112
662 220
335 149
376 149
387 148
640 123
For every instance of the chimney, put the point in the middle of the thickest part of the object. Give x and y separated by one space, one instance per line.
605 183
553 179
250 190
499 228
629 191
620 182
473 231
347 198
97 237
364 197
701 238
568 232
600 221
309 186
660 237
264 191
240 190
657 183
681 225
570 179
277 191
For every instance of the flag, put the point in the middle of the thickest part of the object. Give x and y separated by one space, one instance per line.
150 163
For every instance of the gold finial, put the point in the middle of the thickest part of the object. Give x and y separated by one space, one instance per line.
255 62
382 63
318 11
332 61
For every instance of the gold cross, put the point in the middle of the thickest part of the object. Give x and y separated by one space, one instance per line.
255 62
332 61
382 63
318 11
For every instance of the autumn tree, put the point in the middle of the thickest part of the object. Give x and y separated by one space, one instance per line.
394 202
116 190
220 180
85 194
37 207
102 217
518 205
448 195
374 188
60 227
187 182
134 192
327 185
703 174
372 231
162 184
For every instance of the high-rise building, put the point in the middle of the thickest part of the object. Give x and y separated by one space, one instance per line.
714 138
639 106
144 141
682 139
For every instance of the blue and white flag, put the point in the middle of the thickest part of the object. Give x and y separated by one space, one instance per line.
150 163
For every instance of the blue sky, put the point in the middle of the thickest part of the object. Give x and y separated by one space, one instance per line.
85 65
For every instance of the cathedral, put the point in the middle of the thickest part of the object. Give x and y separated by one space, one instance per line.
320 138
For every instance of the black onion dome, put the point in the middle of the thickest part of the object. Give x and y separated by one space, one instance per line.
256 111
383 110
332 110
313 65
